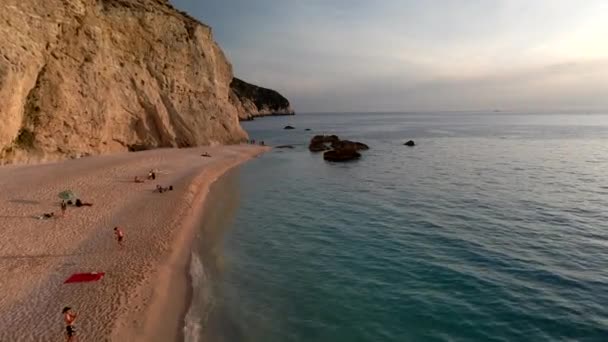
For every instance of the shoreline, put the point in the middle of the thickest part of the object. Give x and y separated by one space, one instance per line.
132 301
167 319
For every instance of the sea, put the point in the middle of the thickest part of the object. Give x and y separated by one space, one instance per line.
494 227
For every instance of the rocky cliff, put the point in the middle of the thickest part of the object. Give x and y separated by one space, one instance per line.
251 101
81 77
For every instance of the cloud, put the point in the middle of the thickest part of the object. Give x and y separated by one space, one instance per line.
404 54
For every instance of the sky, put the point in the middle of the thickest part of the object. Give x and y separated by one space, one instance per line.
417 55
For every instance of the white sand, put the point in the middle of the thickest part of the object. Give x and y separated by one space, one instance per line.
142 293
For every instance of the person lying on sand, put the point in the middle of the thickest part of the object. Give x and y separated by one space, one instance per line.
205 155
70 330
137 180
161 189
80 203
46 216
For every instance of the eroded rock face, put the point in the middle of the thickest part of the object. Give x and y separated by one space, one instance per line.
252 101
98 76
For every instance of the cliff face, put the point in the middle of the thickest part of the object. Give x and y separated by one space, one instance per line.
251 101
82 77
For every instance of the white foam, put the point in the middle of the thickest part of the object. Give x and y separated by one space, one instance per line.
195 317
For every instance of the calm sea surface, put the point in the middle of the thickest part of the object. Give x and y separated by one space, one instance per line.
493 228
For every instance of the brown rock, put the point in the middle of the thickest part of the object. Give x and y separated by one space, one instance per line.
347 144
320 143
341 155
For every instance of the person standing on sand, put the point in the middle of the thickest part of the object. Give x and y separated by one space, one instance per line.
119 235
64 207
70 330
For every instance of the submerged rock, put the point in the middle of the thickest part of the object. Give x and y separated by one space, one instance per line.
410 143
288 127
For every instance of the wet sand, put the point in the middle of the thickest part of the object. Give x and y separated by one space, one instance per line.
143 294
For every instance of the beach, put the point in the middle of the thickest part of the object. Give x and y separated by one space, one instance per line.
143 295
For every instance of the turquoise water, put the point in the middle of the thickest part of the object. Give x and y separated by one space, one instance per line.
493 228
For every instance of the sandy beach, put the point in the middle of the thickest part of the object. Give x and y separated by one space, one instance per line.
142 296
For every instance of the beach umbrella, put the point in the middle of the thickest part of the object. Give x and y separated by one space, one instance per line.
67 195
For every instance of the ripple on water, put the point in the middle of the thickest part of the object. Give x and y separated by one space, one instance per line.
467 237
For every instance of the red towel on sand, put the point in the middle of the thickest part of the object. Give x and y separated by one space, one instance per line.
84 277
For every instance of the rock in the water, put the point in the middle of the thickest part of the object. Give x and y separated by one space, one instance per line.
308 129
320 142
347 144
288 127
341 155
285 146
318 148
410 143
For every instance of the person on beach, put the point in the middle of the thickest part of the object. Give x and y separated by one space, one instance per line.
162 189
137 180
80 203
119 235
46 216
64 207
70 330
152 175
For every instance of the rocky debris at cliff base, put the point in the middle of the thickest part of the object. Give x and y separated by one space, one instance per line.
289 127
341 155
410 143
